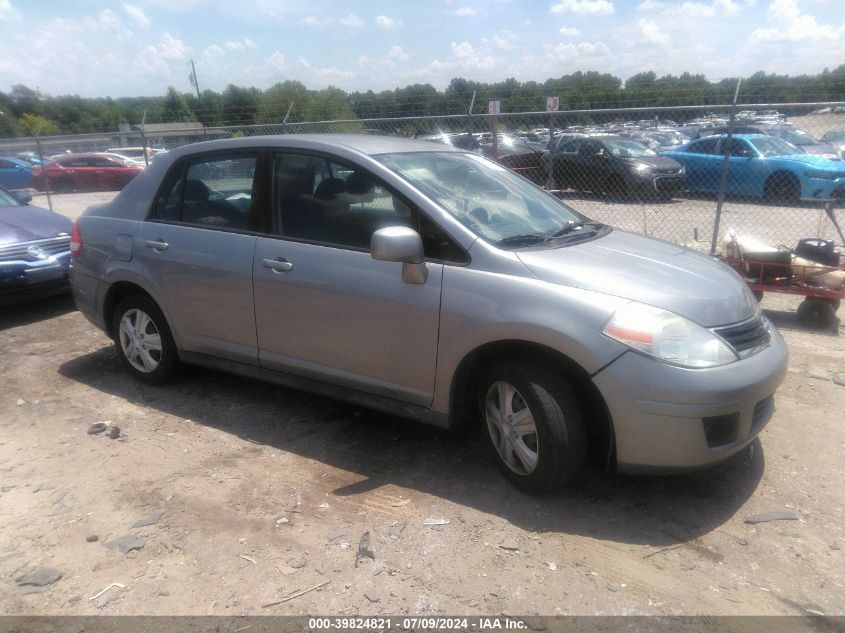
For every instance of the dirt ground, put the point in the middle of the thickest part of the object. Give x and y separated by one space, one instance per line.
256 494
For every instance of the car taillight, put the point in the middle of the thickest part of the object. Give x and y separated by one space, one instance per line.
75 240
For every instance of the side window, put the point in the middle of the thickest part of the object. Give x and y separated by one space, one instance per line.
101 161
215 191
5 164
218 191
707 146
570 148
324 201
739 148
328 202
169 203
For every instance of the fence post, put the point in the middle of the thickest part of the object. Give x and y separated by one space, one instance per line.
44 173
144 138
723 177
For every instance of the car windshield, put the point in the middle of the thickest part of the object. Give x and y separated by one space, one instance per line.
487 198
628 149
773 146
8 200
797 137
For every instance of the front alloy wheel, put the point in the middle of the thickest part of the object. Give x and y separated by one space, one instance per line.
511 427
532 424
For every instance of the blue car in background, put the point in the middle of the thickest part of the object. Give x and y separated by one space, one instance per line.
762 167
15 173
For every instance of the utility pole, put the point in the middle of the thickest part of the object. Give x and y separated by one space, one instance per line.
193 78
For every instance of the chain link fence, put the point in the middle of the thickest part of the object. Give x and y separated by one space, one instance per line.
662 172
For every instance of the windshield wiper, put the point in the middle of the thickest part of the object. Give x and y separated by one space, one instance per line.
523 238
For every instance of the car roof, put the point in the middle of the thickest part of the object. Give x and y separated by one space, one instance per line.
364 143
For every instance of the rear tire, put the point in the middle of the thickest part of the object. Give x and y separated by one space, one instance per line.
782 187
143 340
532 425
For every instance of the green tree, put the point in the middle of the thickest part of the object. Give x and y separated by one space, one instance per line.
276 100
176 107
36 125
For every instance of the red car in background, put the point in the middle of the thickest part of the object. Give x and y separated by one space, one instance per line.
86 172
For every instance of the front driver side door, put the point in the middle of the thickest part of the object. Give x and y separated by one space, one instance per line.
324 308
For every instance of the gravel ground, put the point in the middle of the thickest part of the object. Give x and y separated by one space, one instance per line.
229 494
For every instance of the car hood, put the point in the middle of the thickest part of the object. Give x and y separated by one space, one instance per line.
658 162
28 223
651 271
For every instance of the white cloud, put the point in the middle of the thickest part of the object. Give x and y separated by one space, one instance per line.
111 22
385 22
587 7
502 43
276 60
704 10
466 11
137 14
313 20
570 52
352 21
790 25
396 52
462 50
241 45
325 74
651 5
569 31
8 13
652 33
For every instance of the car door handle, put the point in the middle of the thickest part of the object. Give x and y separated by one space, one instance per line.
278 265
157 245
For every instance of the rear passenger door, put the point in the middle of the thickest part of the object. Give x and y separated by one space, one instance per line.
196 252
324 308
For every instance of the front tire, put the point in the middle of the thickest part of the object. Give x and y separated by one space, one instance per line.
782 187
143 340
532 425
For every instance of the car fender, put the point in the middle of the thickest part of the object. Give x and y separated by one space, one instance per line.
563 319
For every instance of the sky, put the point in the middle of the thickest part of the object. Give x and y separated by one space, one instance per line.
139 48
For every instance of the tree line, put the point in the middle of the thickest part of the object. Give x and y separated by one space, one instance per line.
26 112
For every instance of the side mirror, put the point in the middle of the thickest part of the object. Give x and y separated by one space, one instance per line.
401 244
23 197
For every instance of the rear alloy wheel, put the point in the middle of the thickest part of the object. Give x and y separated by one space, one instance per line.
143 340
782 188
532 425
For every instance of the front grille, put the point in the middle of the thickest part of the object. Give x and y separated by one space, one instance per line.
669 172
18 251
747 336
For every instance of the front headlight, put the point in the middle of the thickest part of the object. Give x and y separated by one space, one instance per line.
682 170
667 336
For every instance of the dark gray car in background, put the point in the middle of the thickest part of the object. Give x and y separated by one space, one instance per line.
432 283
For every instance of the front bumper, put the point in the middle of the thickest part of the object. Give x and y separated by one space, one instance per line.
822 188
20 279
671 418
